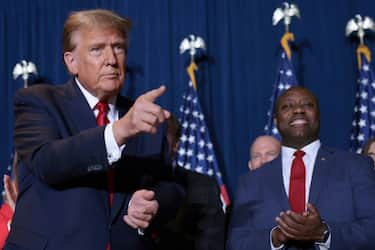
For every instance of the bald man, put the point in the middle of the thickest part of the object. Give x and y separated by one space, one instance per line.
265 148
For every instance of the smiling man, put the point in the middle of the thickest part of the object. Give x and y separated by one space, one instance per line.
311 196
92 175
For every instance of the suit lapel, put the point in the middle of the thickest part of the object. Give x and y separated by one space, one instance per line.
76 107
321 173
276 183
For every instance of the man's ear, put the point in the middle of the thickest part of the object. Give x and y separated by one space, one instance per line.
71 62
249 165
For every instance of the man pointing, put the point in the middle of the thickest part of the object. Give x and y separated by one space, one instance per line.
91 169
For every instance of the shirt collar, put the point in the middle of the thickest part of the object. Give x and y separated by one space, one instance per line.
310 149
93 100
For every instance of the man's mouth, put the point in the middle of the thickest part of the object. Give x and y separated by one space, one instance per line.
298 122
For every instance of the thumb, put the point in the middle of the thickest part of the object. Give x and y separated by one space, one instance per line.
155 93
148 195
312 209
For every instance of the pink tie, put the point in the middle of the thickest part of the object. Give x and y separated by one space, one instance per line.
102 120
297 183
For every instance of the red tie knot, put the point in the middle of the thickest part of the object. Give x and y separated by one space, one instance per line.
101 118
299 154
102 107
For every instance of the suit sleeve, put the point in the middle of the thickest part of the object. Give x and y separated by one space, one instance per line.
243 234
358 233
50 150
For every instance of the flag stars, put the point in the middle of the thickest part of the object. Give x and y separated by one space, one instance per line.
364 95
366 67
372 127
361 137
200 157
364 81
362 123
289 73
183 138
209 145
210 172
189 153
191 139
181 152
372 113
201 143
199 169
363 109
275 131
210 158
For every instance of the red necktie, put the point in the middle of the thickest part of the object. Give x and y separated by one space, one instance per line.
297 183
102 120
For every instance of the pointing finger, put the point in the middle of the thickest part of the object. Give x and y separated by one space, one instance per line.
155 93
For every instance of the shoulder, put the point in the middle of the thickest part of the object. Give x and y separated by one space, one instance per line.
342 155
40 91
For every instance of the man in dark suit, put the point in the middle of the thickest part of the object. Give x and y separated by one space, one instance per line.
310 197
92 175
200 220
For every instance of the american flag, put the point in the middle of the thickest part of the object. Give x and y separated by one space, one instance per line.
195 152
363 125
284 80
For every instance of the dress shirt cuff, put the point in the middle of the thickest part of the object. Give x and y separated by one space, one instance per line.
325 245
272 246
113 150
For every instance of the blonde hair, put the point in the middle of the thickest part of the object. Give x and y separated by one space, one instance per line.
91 18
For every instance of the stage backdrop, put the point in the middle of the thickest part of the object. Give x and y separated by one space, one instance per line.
236 73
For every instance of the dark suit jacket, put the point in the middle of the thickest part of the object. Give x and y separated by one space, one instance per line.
200 221
342 188
63 200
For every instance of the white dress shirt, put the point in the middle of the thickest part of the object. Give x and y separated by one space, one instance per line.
311 151
113 150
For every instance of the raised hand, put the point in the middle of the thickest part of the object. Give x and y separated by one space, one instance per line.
143 117
11 191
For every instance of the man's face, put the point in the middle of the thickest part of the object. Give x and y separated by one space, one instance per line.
98 60
297 117
263 150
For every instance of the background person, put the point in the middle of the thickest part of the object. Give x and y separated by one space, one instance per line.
369 149
265 148
200 221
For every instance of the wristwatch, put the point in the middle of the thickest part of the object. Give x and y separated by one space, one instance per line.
326 233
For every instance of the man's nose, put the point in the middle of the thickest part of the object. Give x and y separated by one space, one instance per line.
299 108
110 57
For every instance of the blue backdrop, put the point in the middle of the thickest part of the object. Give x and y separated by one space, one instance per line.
236 73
